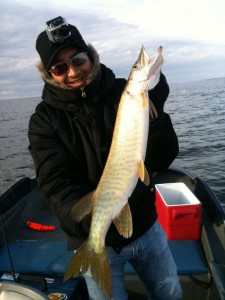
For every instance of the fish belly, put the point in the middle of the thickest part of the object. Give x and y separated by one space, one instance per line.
120 174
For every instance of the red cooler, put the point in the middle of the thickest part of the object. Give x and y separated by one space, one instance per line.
179 211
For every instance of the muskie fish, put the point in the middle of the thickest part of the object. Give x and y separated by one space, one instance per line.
125 164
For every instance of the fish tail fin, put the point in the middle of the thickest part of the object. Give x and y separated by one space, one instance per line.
100 271
85 258
77 265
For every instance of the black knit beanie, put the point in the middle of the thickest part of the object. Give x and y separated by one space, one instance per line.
47 50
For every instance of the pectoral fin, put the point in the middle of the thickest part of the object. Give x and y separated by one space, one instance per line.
143 173
83 207
144 100
123 222
152 111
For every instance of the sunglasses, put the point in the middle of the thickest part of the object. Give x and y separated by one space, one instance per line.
60 69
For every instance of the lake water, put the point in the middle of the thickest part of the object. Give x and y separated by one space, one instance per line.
196 108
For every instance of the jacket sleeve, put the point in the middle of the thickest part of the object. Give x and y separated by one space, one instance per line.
60 177
163 145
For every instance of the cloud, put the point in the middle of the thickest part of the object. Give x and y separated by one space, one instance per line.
194 20
191 32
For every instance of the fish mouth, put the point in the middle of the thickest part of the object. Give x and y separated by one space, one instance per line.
143 59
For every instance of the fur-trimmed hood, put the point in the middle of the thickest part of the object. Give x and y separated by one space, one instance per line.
99 83
95 66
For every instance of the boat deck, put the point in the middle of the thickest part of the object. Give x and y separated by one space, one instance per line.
44 254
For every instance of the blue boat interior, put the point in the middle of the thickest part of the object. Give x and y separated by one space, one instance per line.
51 258
44 253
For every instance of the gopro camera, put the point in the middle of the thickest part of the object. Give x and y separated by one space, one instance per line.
57 30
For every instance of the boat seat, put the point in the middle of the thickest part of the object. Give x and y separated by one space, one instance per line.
38 257
188 257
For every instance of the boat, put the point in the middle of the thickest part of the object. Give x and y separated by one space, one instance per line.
33 262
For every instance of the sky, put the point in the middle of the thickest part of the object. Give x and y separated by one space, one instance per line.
192 33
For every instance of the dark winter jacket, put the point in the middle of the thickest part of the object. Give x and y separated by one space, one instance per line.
70 135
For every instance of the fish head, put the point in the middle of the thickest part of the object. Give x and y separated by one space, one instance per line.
145 72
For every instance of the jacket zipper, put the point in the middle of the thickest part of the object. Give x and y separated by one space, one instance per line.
83 94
